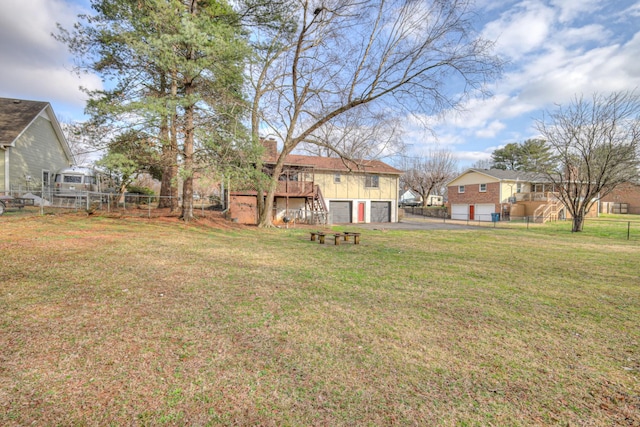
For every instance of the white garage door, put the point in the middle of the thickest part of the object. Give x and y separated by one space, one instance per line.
340 212
484 211
460 212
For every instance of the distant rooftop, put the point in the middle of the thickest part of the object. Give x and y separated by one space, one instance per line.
512 175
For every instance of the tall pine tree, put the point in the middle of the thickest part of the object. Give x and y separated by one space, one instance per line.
173 71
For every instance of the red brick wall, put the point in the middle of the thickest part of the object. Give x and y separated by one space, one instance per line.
244 209
472 194
626 193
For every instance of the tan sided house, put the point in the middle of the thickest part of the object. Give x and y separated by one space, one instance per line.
490 194
32 145
325 190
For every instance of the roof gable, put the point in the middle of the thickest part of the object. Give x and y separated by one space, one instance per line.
16 115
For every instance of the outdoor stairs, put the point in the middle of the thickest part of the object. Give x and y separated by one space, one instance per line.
318 208
547 212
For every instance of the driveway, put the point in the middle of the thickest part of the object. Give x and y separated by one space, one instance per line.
418 223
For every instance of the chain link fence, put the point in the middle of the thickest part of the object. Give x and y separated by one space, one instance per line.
628 229
25 203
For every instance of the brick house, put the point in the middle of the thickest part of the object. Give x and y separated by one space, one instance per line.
624 199
479 194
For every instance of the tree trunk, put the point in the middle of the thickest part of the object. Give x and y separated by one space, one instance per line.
173 131
266 213
187 186
169 189
578 222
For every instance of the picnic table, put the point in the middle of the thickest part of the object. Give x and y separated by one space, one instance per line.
345 236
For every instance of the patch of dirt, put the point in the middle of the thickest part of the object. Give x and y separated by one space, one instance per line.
204 219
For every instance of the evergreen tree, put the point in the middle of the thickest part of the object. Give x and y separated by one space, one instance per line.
173 70
533 155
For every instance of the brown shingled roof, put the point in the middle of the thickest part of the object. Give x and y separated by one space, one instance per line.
336 164
333 164
340 165
15 116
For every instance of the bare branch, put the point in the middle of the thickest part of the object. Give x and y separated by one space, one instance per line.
596 143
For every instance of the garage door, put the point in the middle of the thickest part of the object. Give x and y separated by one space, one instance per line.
460 212
380 211
484 211
340 212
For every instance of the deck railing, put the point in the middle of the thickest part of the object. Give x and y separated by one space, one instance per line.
536 197
299 188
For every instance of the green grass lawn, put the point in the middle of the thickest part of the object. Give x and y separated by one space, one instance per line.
130 322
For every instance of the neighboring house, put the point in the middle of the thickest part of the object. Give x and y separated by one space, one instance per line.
480 194
32 145
435 200
324 190
411 198
624 199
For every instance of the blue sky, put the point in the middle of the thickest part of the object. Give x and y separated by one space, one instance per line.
556 49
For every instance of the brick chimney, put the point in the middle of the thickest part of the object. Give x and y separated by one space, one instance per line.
271 145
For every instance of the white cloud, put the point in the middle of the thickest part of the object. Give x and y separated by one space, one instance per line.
469 157
491 130
35 65
579 36
558 49
521 29
633 10
572 9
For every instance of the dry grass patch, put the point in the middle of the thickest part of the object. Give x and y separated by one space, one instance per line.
106 321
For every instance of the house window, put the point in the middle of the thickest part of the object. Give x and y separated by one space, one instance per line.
372 181
460 188
519 187
483 188
336 178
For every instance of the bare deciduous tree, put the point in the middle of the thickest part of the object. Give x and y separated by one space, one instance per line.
80 144
482 164
330 57
354 135
596 143
428 174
